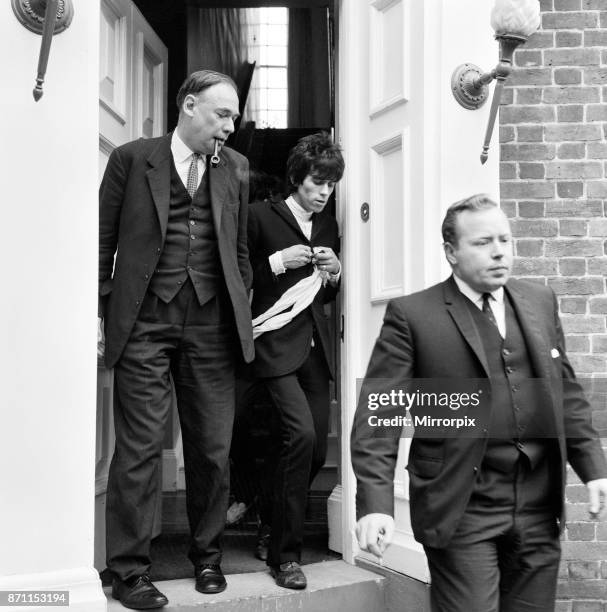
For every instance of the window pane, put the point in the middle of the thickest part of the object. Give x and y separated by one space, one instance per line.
276 77
274 55
277 99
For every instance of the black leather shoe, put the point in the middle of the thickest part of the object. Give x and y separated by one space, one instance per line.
263 543
209 579
138 593
289 575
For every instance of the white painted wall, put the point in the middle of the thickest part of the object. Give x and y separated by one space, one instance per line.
48 271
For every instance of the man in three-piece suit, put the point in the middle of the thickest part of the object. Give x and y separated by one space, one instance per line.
293 246
174 305
486 506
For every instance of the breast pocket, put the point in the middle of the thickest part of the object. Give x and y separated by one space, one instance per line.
425 466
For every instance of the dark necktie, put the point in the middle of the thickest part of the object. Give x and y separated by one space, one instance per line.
487 309
192 185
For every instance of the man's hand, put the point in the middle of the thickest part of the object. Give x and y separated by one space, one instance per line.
374 532
326 260
296 256
100 338
597 496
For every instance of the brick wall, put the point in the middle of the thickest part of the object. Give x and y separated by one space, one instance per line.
553 140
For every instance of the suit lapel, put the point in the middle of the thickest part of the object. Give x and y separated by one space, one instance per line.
159 179
283 211
218 184
458 309
531 328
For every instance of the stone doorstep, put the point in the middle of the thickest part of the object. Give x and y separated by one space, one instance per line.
332 586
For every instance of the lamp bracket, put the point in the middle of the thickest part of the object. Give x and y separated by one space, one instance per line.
468 84
30 14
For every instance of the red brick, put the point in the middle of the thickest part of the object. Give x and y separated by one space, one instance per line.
507 96
528 95
531 171
597 265
576 494
532 76
507 170
596 112
580 286
528 152
591 5
534 266
598 227
574 248
530 209
509 209
571 150
595 76
572 132
569 21
603 20
599 342
598 305
574 208
573 189
578 344
595 38
570 113
567 76
597 150
581 532
574 169
530 133
567 5
526 114
572 266
546 5
572 305
506 133
527 190
580 570
535 228
586 606
597 189
573 227
540 40
530 248
568 39
563 606
528 57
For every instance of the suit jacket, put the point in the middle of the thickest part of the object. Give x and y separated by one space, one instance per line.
133 213
272 227
431 334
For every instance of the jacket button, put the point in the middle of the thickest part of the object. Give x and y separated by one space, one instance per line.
475 469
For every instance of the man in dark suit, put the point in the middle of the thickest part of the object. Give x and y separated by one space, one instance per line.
293 246
484 504
175 305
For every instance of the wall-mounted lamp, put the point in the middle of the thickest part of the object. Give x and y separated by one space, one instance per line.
513 21
46 17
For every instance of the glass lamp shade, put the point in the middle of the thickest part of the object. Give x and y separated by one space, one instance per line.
515 17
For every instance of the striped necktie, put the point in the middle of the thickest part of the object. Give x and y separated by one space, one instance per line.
192 185
487 309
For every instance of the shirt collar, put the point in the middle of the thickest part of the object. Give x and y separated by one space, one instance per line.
298 210
180 150
473 295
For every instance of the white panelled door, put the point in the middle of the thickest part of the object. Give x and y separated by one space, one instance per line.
410 151
132 104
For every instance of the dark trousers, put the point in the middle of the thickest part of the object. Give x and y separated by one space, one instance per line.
302 403
195 345
505 553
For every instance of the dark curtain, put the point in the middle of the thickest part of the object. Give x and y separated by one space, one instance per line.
216 40
308 69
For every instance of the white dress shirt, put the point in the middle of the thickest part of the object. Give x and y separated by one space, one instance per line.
182 157
496 302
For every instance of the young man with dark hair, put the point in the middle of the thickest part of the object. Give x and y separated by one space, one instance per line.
293 245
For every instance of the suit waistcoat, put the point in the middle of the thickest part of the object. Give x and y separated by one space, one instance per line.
190 248
515 412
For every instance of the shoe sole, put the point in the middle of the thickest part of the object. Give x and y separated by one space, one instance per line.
139 607
284 586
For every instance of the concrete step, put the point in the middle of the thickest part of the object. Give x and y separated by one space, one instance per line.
332 585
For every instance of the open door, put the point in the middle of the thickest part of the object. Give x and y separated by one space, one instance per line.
410 151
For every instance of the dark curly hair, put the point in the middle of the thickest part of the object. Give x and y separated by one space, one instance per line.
316 155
